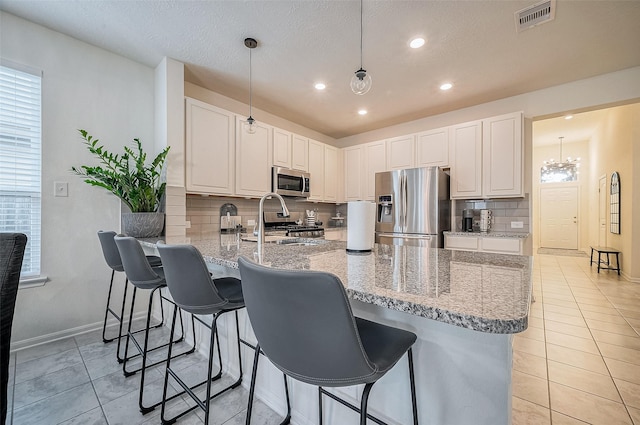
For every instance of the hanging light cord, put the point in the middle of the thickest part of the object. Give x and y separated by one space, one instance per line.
561 148
250 83
361 34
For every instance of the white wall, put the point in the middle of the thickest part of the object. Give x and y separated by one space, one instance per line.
615 148
112 98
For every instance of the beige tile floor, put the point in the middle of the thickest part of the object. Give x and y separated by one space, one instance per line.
579 360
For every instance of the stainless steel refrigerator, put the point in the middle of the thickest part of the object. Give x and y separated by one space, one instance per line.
413 207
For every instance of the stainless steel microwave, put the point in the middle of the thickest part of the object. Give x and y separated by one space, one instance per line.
288 182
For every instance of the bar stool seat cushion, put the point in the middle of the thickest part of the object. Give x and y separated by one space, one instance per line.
230 288
375 339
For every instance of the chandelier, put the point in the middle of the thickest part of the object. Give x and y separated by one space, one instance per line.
553 171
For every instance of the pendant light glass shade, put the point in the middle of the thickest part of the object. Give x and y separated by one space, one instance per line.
361 82
250 126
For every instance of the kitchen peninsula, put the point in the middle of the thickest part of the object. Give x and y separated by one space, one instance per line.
464 307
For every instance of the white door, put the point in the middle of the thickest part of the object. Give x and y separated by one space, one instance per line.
602 211
559 217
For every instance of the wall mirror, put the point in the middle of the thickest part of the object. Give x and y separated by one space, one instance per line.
614 203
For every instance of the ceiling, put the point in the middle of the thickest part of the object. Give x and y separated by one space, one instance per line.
473 44
581 127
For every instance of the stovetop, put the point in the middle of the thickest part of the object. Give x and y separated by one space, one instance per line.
294 227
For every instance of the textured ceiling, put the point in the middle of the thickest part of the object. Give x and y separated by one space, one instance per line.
473 44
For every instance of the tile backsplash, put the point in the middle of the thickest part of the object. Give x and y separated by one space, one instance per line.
203 212
503 212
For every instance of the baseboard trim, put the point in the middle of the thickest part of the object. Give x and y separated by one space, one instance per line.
67 333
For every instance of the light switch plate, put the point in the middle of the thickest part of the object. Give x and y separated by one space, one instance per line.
517 224
60 189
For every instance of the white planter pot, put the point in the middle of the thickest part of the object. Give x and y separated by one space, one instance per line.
142 225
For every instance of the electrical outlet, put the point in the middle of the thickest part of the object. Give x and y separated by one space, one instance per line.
61 189
517 224
251 222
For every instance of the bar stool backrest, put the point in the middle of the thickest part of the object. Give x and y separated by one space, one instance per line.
110 250
136 265
188 279
12 246
304 324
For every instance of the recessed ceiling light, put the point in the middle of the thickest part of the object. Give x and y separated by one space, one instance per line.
416 43
362 112
320 86
568 117
446 86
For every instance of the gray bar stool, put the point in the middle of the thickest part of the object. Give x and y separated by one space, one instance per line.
143 276
194 291
113 260
12 247
304 324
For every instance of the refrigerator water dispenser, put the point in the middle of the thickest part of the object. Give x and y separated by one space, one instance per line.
385 209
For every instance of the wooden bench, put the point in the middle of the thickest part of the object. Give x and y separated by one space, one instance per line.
605 250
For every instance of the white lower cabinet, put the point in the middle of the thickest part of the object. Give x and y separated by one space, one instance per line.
498 245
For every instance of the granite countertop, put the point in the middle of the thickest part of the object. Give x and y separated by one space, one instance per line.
516 235
474 290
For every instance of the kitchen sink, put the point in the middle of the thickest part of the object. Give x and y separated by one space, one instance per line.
285 240
300 242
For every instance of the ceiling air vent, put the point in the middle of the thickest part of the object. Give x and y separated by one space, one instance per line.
537 14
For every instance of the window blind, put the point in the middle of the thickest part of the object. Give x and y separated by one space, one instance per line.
20 160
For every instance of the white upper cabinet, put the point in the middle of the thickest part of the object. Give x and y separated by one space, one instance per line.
466 160
281 148
375 161
353 158
401 152
487 158
316 170
331 177
209 153
502 156
300 153
432 148
361 163
253 159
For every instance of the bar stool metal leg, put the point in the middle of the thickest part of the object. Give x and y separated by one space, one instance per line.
252 386
108 310
202 404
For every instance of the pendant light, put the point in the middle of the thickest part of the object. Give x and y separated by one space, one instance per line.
361 81
251 43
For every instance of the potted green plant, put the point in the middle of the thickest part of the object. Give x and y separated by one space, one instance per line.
137 184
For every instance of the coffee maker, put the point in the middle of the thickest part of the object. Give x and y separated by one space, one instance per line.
467 220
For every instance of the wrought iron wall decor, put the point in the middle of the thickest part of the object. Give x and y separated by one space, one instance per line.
614 203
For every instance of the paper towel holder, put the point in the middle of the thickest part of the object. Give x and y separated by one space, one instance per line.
360 226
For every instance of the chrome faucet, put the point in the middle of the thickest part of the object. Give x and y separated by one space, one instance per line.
260 232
